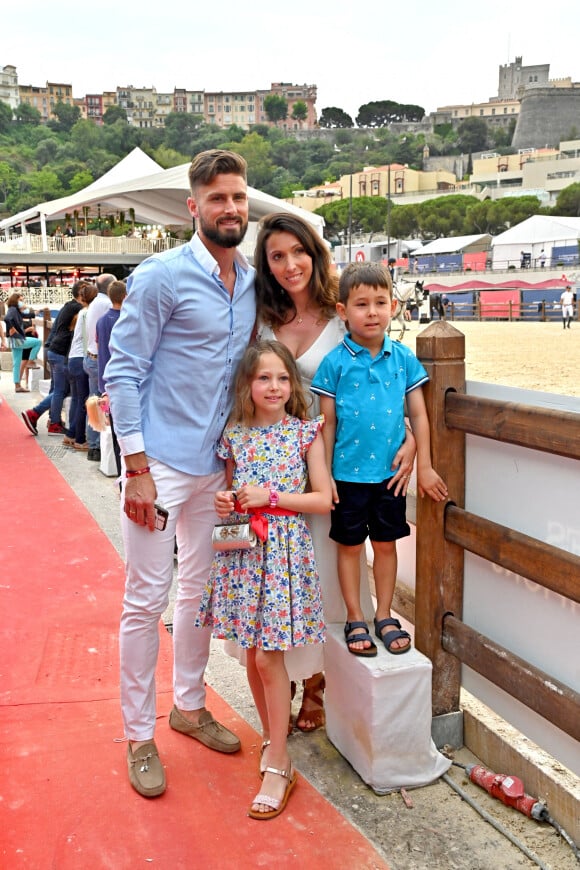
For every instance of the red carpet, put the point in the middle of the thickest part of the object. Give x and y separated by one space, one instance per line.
65 799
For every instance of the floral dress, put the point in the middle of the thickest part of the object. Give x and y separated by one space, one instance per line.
268 596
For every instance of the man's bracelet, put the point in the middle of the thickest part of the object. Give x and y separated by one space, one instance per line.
138 471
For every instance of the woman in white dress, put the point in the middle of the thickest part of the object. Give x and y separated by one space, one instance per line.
297 291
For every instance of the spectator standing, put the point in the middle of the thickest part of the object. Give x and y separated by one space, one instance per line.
79 381
567 303
183 329
18 338
60 342
99 305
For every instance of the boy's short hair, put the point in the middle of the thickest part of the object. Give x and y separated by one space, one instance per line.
355 274
207 164
117 292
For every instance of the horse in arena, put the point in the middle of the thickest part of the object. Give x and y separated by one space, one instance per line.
437 302
408 295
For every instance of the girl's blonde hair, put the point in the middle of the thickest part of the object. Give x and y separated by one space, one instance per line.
244 408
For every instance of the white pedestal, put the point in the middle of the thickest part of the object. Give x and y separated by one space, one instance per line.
378 715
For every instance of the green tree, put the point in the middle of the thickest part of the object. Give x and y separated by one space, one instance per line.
332 117
86 138
46 151
41 186
120 138
26 114
404 222
256 152
473 135
381 113
300 111
167 157
369 215
114 113
568 201
276 108
66 117
5 117
80 180
8 181
181 129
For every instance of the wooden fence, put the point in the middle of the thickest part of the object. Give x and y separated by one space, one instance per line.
447 530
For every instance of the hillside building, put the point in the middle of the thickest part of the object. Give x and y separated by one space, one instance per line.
9 86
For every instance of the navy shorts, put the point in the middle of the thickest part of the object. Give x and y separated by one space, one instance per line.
367 510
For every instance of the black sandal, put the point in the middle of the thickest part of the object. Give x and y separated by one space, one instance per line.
390 636
370 651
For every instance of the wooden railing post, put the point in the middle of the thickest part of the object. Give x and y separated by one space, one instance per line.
439 577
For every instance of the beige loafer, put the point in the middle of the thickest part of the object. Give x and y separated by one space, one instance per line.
146 773
208 731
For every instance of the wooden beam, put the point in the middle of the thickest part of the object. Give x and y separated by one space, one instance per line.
549 566
537 428
556 702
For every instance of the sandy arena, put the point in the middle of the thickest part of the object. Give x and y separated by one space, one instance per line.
532 356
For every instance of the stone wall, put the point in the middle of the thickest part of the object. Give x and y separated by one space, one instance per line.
547 115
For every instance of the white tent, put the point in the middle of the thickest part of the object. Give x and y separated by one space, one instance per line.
133 165
531 236
157 197
455 245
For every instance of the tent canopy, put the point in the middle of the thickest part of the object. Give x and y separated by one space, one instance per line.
540 229
455 245
537 233
157 196
133 165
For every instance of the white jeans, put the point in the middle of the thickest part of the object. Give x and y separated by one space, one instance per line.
149 566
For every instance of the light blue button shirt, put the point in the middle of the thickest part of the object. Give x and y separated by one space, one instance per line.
369 394
174 354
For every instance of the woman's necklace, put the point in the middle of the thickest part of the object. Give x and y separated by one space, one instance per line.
314 317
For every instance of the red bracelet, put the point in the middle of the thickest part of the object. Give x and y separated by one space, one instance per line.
138 471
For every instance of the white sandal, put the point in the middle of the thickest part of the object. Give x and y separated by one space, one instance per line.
277 804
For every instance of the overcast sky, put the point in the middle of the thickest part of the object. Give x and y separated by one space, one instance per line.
430 54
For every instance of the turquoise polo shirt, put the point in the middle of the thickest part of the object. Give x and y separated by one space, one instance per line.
369 394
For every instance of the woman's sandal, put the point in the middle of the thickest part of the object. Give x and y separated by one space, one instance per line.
19 389
390 636
277 804
315 717
350 638
290 720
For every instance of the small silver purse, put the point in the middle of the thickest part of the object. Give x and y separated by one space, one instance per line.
236 536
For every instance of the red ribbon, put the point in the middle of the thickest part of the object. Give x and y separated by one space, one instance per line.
258 522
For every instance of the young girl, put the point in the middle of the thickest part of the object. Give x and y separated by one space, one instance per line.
267 598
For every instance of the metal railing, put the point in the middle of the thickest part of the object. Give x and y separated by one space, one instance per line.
30 243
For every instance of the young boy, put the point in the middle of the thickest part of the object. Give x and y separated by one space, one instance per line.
363 384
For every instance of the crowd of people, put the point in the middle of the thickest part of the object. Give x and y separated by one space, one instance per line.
263 414
74 354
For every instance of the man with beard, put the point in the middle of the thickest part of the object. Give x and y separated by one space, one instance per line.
185 323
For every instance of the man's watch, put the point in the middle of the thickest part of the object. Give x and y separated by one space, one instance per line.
274 498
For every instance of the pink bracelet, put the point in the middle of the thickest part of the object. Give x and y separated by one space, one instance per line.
138 471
